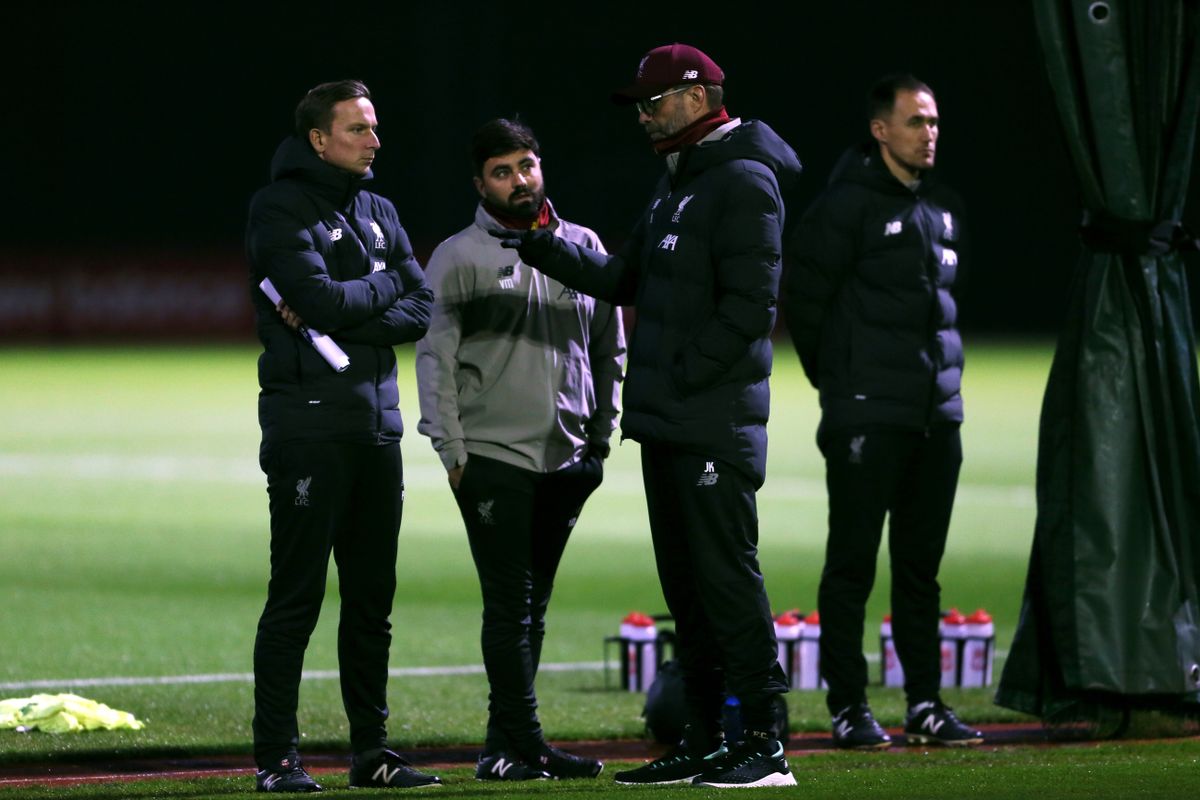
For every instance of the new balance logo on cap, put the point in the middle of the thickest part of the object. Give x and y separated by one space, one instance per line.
892 228
691 74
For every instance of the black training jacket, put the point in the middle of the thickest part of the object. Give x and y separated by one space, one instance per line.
869 300
340 259
702 270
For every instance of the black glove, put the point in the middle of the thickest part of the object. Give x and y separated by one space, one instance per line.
598 449
532 245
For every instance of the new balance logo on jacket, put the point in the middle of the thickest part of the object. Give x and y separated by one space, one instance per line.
709 476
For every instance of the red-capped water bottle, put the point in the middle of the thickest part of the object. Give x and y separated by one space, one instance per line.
979 649
810 653
889 661
954 630
788 627
639 657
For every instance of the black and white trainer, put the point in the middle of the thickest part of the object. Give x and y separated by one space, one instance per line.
383 769
855 728
932 722
678 765
751 763
502 766
287 776
560 765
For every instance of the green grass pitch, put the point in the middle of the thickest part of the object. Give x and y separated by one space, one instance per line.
134 527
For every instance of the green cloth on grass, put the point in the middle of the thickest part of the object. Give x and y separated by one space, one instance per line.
63 713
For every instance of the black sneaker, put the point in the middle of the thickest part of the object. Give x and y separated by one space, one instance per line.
503 767
751 763
387 770
679 765
855 728
932 722
560 764
289 776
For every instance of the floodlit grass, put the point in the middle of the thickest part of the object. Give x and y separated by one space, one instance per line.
134 527
1093 772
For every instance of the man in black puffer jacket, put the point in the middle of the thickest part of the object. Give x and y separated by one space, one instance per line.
702 271
342 264
870 307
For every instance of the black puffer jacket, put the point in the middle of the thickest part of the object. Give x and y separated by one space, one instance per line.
869 298
340 259
702 270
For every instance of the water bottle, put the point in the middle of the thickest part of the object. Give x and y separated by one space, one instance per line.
810 653
979 649
889 662
788 627
731 720
639 656
954 630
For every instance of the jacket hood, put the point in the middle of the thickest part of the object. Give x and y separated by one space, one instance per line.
863 164
753 140
295 159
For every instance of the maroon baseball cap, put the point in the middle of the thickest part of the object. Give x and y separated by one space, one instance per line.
667 66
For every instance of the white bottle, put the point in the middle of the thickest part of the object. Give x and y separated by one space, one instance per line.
954 630
810 653
639 642
979 649
893 671
788 628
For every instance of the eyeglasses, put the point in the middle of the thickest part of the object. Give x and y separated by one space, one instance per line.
651 104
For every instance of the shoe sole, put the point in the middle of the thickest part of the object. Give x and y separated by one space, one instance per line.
864 747
595 774
916 738
688 779
774 779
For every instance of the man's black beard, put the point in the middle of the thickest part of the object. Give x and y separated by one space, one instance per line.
528 211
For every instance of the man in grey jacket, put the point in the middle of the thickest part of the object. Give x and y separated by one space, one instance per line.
519 383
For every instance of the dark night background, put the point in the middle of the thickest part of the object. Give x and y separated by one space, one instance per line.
142 129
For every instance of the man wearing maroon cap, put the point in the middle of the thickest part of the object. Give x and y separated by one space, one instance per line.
702 270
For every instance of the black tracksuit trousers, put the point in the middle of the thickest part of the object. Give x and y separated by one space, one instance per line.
704 523
344 499
911 477
518 522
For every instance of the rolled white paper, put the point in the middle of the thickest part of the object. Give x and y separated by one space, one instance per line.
327 347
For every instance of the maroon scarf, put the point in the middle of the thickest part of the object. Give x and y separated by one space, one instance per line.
692 133
520 223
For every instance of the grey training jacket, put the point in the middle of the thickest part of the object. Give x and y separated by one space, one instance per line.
515 366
